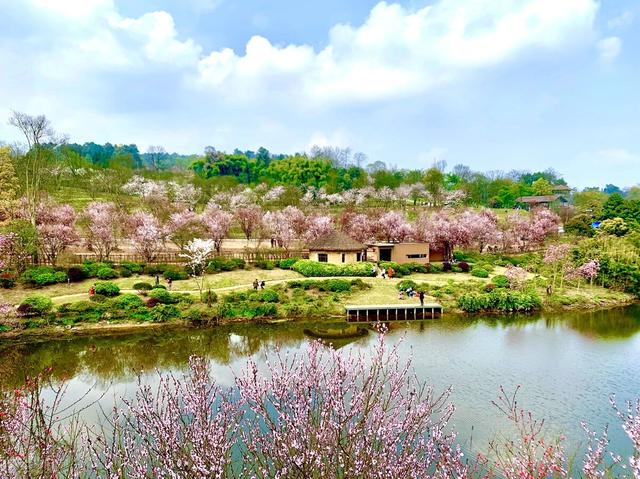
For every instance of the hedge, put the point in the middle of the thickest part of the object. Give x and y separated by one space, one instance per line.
222 264
479 272
287 263
315 269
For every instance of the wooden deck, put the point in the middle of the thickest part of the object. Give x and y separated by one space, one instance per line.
393 312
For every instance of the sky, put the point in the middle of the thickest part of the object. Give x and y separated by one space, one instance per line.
493 84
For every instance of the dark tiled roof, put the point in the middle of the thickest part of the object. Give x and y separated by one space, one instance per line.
335 241
537 199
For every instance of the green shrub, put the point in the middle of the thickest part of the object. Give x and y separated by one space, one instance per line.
98 298
502 300
500 280
91 268
288 263
107 288
399 270
126 302
164 296
7 280
265 264
359 284
479 272
134 268
106 273
76 273
142 287
222 264
269 296
417 267
43 276
35 305
156 269
405 284
124 272
174 273
435 268
82 307
164 312
315 269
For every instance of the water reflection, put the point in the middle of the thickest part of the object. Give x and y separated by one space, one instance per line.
110 358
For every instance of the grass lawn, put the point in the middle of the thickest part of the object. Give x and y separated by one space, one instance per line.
64 293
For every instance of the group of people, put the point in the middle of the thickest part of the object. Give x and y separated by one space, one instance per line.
258 284
169 282
383 272
411 293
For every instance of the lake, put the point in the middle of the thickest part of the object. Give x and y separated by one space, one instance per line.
567 364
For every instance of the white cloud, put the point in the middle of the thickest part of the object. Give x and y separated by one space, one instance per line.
609 48
621 21
618 157
398 51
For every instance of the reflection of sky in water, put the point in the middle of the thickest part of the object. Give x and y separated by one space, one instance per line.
567 366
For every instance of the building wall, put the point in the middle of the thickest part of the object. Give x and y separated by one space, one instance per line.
400 252
335 257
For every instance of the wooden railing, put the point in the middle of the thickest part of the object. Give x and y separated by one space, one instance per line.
175 258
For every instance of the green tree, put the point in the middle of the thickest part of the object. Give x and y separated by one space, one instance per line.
434 184
32 167
614 226
10 185
542 187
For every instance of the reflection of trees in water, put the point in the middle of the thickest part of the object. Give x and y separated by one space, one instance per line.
115 357
617 323
111 358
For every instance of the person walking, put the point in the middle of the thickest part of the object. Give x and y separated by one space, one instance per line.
262 284
157 280
255 284
169 283
92 291
421 296
383 273
390 272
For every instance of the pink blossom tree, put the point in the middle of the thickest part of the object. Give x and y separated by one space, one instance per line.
250 220
443 231
393 227
296 219
279 228
183 227
588 271
146 235
359 226
482 227
217 223
56 226
517 276
197 252
102 223
7 246
318 226
557 257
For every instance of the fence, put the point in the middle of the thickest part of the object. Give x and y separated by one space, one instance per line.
176 258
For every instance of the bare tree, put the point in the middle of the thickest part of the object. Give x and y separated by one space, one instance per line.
32 167
156 155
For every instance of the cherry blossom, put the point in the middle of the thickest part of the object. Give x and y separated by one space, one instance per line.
250 220
102 224
184 226
56 229
146 235
217 223
317 226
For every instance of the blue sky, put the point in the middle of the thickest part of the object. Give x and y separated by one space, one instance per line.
494 84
